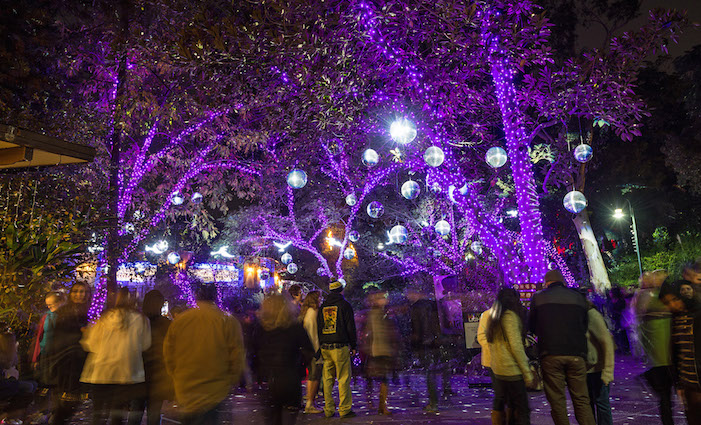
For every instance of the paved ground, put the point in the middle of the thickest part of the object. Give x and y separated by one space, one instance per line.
632 404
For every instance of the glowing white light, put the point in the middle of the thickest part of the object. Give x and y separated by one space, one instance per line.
354 236
158 248
512 213
173 258
297 179
196 198
496 157
476 247
375 209
618 213
281 247
222 251
176 198
434 156
402 131
349 253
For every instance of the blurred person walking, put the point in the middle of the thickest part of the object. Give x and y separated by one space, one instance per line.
382 347
338 341
559 318
600 356
425 333
280 345
296 296
309 316
204 354
15 394
114 367
40 356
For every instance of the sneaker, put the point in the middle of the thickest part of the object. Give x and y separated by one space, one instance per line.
350 414
312 409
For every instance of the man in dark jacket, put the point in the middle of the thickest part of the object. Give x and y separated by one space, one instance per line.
425 333
559 318
337 338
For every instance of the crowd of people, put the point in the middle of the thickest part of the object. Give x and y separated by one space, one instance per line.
132 359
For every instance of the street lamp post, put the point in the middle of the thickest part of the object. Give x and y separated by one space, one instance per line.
618 213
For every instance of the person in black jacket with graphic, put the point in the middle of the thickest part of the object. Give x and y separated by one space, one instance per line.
559 319
338 341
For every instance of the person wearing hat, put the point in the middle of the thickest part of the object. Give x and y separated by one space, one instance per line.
338 340
559 318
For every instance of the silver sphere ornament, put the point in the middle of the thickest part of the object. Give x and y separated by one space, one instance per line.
286 258
410 189
403 131
176 198
434 156
496 157
442 227
575 202
351 200
583 153
375 209
173 258
129 228
476 247
196 198
349 253
353 236
370 157
398 234
297 179
292 268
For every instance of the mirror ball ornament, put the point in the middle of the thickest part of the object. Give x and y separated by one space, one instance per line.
410 189
442 227
196 198
476 247
353 235
370 157
574 202
402 131
375 209
496 157
176 198
297 179
349 253
398 234
292 268
583 153
351 200
173 258
129 228
434 156
286 258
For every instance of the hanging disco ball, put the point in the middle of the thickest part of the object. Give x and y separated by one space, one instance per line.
583 153
173 258
128 228
476 247
496 157
292 268
196 198
286 258
349 253
351 200
398 234
176 198
375 209
353 236
442 227
434 156
410 189
370 157
574 202
297 179
402 131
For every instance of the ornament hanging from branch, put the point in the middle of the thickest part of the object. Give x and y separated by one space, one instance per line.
297 179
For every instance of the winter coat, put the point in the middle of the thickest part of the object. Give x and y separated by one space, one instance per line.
508 358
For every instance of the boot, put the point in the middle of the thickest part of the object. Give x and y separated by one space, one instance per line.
383 400
498 418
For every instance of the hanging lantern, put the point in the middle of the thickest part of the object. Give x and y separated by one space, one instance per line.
375 209
583 153
370 157
402 131
476 247
196 198
496 157
398 234
176 198
292 268
575 202
442 227
286 258
297 179
173 258
353 236
434 156
410 189
351 200
349 253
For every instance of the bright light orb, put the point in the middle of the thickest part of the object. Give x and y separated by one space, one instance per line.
174 258
196 198
398 234
434 156
410 189
351 200
442 227
583 153
370 158
349 253
286 258
375 209
403 131
176 198
354 236
292 268
476 247
129 228
297 179
575 202
496 157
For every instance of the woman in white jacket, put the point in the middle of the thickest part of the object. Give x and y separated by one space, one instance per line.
115 366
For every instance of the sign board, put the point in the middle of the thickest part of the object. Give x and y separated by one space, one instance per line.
471 323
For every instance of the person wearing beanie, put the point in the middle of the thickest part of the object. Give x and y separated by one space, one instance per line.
559 318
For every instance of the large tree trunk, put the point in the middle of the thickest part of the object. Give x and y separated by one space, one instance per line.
597 270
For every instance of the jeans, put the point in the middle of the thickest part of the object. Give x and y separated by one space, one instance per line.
337 365
208 417
570 370
599 399
662 382
516 397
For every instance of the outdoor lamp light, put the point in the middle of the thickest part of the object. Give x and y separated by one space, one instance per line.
402 131
583 153
618 213
173 258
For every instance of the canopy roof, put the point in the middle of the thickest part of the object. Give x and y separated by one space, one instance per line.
23 148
